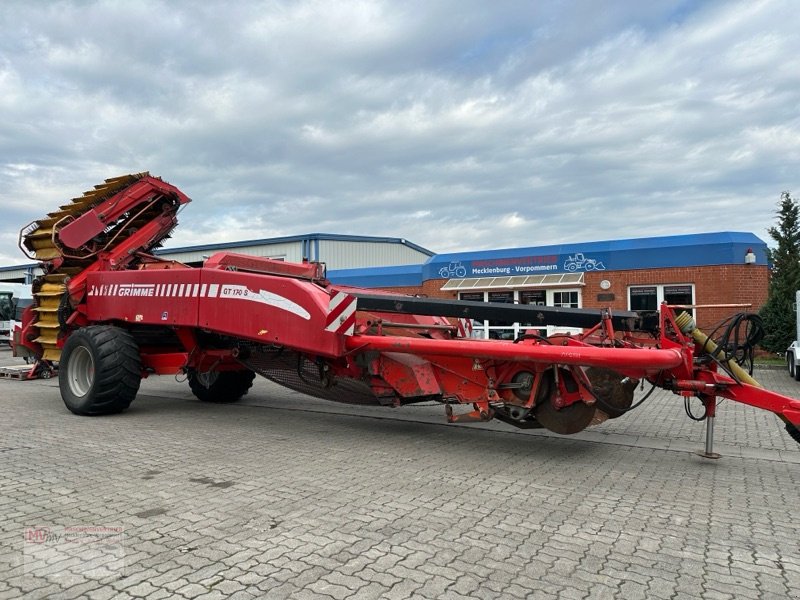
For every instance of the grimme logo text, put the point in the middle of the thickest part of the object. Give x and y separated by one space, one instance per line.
136 290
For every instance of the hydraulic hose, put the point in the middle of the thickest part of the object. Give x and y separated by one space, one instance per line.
688 325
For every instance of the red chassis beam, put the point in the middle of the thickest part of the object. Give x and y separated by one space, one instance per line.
713 383
628 359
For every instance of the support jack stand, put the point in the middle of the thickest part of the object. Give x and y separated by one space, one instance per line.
711 405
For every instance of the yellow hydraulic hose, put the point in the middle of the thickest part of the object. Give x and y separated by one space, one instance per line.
687 325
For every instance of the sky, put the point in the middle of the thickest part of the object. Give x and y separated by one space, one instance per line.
458 125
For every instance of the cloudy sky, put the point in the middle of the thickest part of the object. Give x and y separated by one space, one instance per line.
455 124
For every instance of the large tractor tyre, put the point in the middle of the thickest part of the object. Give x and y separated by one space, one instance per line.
99 371
221 387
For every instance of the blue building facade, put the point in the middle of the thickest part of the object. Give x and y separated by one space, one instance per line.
692 250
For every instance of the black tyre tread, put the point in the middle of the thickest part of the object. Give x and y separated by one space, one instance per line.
118 376
794 432
229 387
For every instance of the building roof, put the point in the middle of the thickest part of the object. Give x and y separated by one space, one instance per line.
699 249
297 238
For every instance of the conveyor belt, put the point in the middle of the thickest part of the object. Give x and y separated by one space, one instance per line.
40 240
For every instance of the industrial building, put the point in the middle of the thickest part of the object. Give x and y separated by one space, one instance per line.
336 251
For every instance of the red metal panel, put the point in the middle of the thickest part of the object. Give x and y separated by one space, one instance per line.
168 297
82 229
259 264
408 374
257 307
164 363
268 309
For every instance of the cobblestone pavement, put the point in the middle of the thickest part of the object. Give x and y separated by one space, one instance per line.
282 496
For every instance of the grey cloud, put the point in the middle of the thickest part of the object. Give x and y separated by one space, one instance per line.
456 125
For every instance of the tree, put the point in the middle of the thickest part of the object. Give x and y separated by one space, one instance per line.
779 313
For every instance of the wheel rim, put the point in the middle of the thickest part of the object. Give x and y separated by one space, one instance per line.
80 371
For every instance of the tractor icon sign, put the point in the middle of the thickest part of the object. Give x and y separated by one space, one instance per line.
580 263
454 269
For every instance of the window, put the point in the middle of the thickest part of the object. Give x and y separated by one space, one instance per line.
565 299
644 298
6 307
473 296
536 297
505 297
649 297
678 294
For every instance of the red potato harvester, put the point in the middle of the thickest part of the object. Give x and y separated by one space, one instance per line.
109 312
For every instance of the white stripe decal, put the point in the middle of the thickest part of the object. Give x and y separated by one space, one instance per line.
338 322
242 292
203 289
194 290
213 290
336 301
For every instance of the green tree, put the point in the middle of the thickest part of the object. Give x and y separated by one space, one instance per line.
779 313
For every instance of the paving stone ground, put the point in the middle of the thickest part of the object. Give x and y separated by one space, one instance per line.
283 496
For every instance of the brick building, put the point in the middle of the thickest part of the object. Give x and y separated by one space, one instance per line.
634 274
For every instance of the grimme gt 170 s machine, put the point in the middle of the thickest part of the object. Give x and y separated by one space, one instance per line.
110 312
